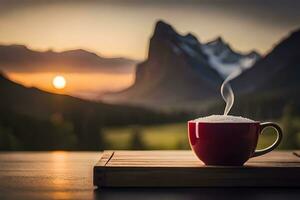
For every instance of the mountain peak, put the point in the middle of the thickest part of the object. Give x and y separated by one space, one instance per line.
217 41
191 38
163 29
254 54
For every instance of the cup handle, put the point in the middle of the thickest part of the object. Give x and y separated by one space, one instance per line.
275 144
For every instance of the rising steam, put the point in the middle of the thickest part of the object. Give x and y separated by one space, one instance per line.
227 92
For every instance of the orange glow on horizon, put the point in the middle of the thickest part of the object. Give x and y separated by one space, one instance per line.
85 85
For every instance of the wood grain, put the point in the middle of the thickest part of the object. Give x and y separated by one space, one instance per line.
183 169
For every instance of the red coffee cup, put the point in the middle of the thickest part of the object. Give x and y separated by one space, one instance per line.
228 143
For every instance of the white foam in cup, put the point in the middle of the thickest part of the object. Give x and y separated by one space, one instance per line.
220 119
223 119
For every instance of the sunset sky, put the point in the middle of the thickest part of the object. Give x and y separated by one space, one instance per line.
123 28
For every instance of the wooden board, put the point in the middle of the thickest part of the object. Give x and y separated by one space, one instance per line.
183 169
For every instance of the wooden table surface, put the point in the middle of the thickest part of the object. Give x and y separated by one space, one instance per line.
68 175
184 169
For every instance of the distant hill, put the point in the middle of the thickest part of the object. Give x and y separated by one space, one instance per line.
278 70
180 70
273 83
19 58
43 121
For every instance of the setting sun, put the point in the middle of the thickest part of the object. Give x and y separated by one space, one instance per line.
59 82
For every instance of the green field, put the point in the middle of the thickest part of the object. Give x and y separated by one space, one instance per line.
168 136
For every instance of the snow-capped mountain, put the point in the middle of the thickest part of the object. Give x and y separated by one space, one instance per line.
223 59
180 70
217 53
